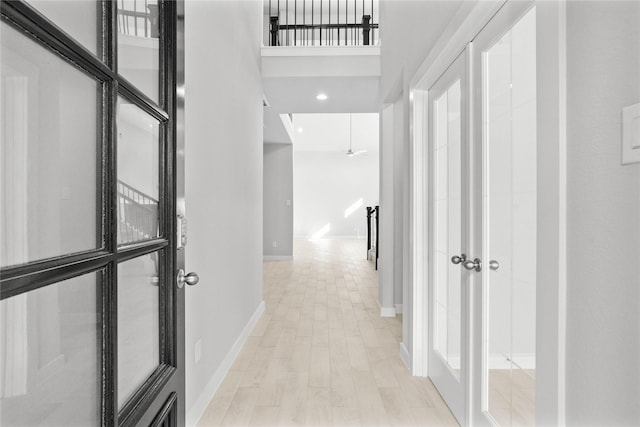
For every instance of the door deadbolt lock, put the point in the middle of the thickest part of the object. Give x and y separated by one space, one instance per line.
190 279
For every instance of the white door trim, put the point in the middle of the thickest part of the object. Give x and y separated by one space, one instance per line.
419 231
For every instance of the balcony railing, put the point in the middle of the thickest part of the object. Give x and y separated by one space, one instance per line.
138 18
322 22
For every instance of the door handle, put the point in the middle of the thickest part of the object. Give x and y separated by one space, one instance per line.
458 259
494 265
476 264
190 279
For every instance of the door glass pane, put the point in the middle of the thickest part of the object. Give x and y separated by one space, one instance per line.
138 173
50 355
510 192
139 44
48 163
138 323
78 18
448 225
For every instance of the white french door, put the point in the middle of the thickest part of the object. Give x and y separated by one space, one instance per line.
449 193
483 222
505 220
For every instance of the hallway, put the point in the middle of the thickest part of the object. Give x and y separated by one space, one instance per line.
321 354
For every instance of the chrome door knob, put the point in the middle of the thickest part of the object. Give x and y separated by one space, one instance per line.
190 279
458 259
476 264
494 265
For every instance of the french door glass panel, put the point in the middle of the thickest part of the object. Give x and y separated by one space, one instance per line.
50 355
448 182
509 288
138 173
139 44
448 226
139 285
49 153
78 18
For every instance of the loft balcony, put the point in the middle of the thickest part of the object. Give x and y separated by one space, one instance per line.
318 47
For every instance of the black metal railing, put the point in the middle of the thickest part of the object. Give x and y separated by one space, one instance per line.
373 214
322 22
137 214
138 18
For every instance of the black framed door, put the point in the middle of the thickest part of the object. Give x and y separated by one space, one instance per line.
91 318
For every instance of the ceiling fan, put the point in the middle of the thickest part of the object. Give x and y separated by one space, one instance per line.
350 151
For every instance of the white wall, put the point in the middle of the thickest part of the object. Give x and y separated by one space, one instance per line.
325 184
223 137
278 200
603 203
407 40
386 264
326 180
399 168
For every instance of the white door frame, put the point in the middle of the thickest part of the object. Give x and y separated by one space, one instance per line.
551 272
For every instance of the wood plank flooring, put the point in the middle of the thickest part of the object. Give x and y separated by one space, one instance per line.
512 396
321 354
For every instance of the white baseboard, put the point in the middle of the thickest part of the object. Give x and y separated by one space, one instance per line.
197 409
502 361
277 257
404 356
387 312
398 308
522 361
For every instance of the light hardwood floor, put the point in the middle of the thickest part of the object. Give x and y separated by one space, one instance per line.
512 396
321 354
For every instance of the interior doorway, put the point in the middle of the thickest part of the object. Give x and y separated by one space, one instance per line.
476 197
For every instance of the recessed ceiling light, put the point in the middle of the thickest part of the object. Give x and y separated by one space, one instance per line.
300 130
321 97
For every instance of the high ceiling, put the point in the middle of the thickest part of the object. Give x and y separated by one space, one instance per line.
359 94
350 79
349 76
334 132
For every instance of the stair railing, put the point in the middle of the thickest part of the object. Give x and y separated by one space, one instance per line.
137 214
372 232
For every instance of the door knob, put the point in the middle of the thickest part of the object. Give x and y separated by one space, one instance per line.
190 279
458 259
494 265
476 264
